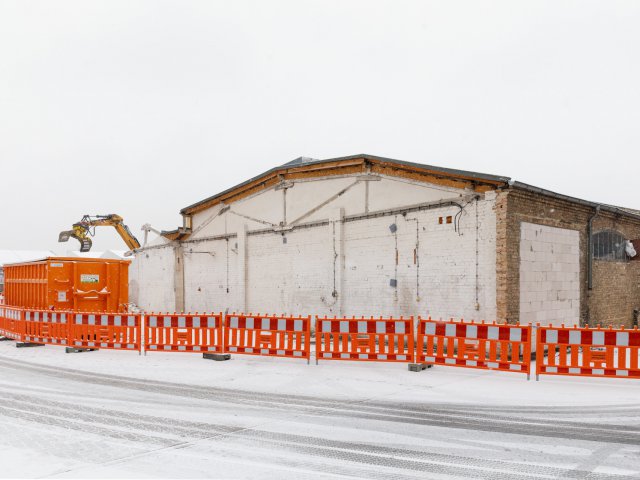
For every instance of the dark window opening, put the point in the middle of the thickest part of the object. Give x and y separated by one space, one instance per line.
609 245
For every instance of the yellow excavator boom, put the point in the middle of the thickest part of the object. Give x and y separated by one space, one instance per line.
85 229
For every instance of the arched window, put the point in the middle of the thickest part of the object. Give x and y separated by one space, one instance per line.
609 245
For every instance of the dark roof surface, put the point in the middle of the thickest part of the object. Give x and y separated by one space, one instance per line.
450 172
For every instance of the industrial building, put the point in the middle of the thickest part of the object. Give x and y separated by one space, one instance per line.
372 236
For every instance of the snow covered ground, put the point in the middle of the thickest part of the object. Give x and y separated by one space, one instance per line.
116 414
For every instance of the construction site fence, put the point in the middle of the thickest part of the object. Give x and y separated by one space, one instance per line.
475 345
560 350
270 335
365 339
183 333
592 352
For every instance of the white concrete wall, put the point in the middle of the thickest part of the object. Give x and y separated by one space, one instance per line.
356 259
211 275
549 275
151 279
292 277
440 282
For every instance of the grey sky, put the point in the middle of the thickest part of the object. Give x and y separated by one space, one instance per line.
143 107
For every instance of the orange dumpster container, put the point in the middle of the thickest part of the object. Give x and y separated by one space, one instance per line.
67 283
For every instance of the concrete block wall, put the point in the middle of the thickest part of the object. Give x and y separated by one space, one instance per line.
438 271
291 273
436 266
211 275
549 275
151 279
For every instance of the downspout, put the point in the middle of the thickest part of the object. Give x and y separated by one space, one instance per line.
590 248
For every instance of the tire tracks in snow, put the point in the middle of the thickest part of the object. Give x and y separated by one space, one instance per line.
457 416
158 430
90 419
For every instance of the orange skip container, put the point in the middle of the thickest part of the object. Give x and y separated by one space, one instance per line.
68 283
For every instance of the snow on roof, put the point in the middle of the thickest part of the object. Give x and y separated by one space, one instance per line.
16 256
78 253
116 255
109 254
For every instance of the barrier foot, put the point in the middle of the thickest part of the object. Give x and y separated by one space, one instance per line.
78 350
28 344
218 357
5 339
418 367
537 377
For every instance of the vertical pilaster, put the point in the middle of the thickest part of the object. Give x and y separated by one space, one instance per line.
243 277
178 276
339 260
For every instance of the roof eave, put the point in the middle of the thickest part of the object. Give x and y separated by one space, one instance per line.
575 200
494 180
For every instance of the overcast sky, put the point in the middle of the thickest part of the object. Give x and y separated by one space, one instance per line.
143 107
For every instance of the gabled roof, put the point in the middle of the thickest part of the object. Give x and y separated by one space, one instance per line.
305 167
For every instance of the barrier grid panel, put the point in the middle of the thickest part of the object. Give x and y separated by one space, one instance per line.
588 351
183 333
45 326
475 345
279 336
105 330
12 323
365 339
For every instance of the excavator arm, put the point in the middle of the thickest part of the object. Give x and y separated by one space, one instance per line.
85 229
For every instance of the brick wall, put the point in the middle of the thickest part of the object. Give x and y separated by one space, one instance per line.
616 286
210 275
435 272
151 279
425 266
434 266
291 273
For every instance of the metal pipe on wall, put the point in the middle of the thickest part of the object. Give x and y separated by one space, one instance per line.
590 248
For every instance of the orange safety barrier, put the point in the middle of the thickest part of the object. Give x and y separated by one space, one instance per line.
12 322
588 351
44 326
105 330
279 336
368 339
2 321
475 345
184 333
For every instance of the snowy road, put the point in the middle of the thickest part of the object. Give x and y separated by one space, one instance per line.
115 414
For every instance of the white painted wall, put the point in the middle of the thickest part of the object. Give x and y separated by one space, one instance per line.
151 279
211 275
549 275
442 285
357 258
292 277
